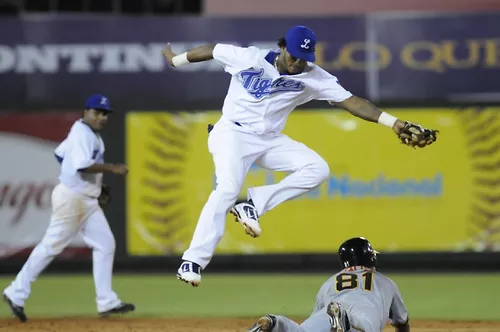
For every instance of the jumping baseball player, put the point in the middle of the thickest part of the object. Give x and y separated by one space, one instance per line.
76 209
358 298
267 85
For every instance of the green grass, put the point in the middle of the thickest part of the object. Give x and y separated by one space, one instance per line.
458 297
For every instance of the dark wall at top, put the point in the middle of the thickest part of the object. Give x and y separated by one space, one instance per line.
55 62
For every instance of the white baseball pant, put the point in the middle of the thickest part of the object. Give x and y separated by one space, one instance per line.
234 149
71 213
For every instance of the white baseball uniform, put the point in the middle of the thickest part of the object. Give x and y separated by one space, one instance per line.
254 113
75 210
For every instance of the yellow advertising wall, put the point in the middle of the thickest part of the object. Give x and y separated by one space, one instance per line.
441 198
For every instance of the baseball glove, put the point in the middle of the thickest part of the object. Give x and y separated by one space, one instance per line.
105 195
417 136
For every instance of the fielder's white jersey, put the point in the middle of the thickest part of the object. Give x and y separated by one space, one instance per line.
260 98
82 148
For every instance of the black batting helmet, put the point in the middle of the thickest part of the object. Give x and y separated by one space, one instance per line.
357 251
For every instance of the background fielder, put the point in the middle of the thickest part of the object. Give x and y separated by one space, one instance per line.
358 298
75 209
265 87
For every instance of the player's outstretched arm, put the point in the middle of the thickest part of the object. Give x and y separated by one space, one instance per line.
365 110
197 54
106 168
410 134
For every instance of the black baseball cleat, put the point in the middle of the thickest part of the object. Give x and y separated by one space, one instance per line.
122 308
16 310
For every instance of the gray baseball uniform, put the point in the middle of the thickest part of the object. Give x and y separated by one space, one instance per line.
369 298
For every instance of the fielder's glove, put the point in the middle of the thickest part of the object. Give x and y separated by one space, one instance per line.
416 136
105 195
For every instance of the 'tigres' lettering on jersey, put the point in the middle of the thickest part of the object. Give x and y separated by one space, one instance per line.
260 87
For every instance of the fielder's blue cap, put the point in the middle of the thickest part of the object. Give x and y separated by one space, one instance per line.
98 102
301 43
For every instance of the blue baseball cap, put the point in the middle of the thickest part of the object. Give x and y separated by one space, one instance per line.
301 43
98 102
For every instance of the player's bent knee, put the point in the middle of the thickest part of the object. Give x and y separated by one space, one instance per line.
105 245
109 247
112 247
324 171
320 171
